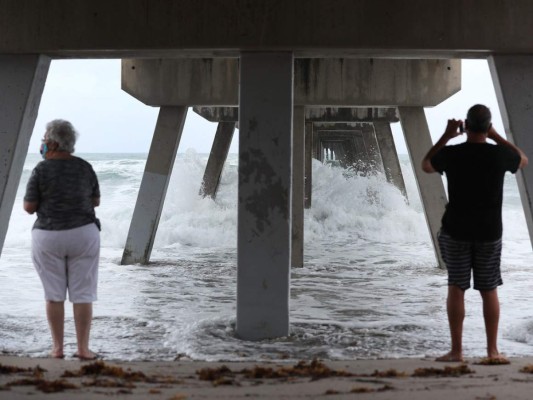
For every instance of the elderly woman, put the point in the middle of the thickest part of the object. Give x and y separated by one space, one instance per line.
63 190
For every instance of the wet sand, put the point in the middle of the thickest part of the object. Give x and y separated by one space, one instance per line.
377 379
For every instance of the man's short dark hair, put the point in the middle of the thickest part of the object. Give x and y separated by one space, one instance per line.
478 119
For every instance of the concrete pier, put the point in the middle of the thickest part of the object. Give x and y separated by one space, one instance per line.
430 186
264 209
298 183
380 139
152 192
22 79
217 158
354 144
379 148
513 80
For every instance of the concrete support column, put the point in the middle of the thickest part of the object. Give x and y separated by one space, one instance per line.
430 186
373 156
217 158
264 209
389 156
513 80
22 80
154 185
298 182
308 164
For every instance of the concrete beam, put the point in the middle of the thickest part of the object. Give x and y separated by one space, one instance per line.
317 82
351 114
314 114
375 82
430 186
374 162
22 80
218 114
389 155
308 164
174 82
152 192
298 172
264 205
217 159
513 79
309 28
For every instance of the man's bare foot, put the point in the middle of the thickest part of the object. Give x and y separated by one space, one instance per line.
450 357
494 359
87 356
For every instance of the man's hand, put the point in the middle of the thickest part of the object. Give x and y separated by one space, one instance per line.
492 134
453 129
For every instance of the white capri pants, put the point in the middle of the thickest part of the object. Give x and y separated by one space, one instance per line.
67 260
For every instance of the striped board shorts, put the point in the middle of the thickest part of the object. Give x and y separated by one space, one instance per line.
462 257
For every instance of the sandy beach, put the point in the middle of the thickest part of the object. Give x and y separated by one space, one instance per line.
42 378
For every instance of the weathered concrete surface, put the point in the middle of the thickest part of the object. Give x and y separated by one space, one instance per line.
205 81
217 158
430 186
351 114
389 155
22 80
419 28
264 204
298 172
153 189
374 161
317 82
513 81
375 82
218 114
308 164
314 114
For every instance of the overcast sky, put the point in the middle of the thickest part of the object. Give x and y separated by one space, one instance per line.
87 93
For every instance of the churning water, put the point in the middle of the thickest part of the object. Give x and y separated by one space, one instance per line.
370 286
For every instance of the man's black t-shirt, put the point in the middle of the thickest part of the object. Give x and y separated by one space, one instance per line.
475 173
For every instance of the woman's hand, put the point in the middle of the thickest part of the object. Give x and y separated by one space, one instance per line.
31 206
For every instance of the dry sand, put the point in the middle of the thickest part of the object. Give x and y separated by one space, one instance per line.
375 379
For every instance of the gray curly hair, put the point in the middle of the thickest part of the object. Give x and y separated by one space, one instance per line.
63 133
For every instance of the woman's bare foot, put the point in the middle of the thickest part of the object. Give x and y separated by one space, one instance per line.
450 357
57 355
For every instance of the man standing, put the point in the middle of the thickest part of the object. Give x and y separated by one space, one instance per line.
470 239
